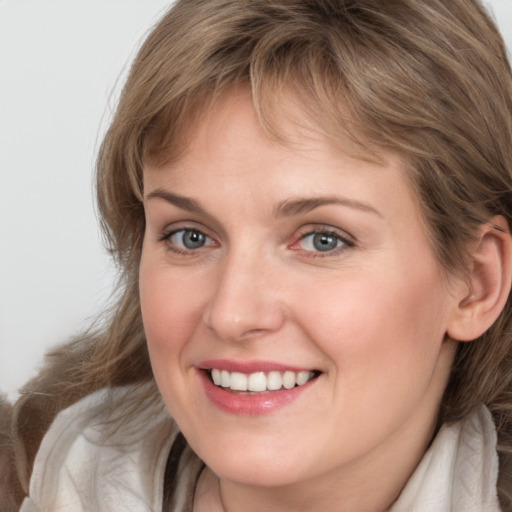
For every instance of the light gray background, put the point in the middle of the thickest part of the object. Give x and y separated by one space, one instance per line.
61 63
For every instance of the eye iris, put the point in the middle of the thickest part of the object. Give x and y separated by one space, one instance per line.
324 242
193 239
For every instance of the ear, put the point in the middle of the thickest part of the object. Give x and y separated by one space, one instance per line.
481 300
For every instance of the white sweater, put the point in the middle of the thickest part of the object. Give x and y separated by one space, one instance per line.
92 460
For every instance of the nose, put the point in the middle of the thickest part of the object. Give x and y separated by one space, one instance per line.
245 303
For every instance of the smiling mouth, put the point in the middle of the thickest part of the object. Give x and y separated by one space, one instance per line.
260 382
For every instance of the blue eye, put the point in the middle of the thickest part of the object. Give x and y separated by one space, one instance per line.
188 239
323 242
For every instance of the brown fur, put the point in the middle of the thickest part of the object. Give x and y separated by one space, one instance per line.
11 493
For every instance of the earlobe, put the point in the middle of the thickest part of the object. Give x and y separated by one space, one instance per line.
480 304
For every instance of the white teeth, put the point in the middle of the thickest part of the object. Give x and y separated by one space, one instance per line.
257 382
238 381
289 380
274 381
225 379
216 377
260 381
302 378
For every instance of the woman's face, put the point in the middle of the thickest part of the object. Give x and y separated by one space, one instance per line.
300 280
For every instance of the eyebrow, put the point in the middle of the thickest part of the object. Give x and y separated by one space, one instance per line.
291 207
182 202
286 208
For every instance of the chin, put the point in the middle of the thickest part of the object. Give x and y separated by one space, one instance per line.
247 473
250 463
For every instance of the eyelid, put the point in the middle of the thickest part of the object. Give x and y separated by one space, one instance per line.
168 232
172 230
348 241
184 225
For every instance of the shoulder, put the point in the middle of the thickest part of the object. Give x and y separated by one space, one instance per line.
106 452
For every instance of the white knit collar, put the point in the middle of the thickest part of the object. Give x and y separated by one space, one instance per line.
459 471
78 461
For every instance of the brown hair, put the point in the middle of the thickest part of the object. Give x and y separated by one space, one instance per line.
428 79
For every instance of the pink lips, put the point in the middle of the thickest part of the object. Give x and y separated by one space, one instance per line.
243 403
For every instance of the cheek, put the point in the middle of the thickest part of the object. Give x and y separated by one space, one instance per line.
383 322
171 309
171 313
384 338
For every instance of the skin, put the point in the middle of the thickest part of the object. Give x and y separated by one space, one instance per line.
371 315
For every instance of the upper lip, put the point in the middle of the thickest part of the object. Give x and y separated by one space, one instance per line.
249 366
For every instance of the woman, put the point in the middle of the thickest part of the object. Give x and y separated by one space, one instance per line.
310 203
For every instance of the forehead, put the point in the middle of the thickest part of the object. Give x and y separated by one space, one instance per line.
285 116
230 159
284 124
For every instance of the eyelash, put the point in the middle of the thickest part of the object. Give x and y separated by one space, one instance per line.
166 239
345 242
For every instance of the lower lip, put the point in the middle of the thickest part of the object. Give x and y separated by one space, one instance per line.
256 404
